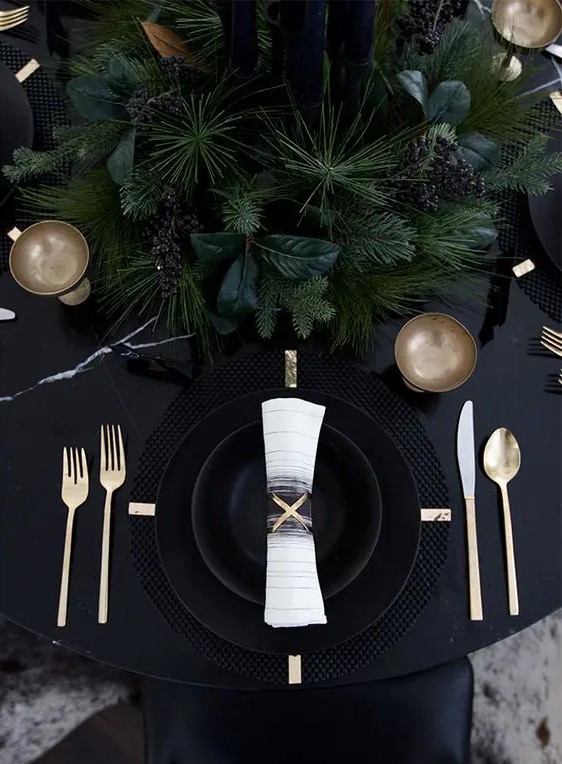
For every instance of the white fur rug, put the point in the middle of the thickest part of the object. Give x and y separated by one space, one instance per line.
45 692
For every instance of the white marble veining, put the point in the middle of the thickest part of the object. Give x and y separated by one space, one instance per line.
86 364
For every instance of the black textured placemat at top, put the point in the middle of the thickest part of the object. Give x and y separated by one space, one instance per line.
335 377
47 105
517 236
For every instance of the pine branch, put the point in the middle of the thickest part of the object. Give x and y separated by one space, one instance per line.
529 171
141 193
368 237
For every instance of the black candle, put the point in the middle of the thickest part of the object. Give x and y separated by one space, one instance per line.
309 79
359 31
244 38
224 8
291 22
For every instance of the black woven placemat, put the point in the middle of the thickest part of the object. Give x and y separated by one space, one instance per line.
47 105
518 238
331 376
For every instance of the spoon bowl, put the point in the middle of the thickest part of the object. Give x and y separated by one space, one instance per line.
502 456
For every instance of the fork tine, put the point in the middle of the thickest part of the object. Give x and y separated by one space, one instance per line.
550 334
552 331
23 11
65 469
15 17
114 448
76 465
553 349
121 448
83 464
103 452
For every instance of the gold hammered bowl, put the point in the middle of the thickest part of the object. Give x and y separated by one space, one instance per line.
435 353
528 23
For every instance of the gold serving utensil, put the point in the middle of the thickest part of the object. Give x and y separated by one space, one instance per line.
11 19
502 459
112 477
74 493
552 340
435 353
50 258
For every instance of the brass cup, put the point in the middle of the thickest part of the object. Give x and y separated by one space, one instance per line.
50 258
527 23
435 353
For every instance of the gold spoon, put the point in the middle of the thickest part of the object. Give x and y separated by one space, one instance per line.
502 459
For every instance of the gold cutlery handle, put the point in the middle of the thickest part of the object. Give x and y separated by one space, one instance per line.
476 613
513 596
63 596
104 573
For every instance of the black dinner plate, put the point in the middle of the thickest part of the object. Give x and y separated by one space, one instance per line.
350 611
546 211
16 123
229 512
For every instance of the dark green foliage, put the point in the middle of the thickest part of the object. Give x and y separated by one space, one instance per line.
306 302
527 168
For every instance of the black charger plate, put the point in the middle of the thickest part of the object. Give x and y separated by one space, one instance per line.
546 211
352 610
16 123
229 512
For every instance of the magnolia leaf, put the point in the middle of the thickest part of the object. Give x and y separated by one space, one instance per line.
298 257
415 83
482 234
120 163
238 294
93 99
480 152
164 41
210 247
449 102
121 76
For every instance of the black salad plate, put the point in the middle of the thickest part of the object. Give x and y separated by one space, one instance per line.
229 512
546 211
16 123
350 611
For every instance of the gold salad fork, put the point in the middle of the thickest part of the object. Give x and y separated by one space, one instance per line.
11 19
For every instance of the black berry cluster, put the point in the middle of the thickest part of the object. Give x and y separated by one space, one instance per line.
433 172
426 21
169 239
178 67
143 110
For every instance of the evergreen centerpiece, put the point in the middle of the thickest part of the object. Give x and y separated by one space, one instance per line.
238 158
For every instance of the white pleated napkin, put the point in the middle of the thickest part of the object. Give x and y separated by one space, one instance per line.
291 428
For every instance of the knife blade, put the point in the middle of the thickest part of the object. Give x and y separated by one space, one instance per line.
467 466
7 315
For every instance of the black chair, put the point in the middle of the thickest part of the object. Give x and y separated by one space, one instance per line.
423 718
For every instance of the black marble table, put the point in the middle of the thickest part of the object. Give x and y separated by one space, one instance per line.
59 381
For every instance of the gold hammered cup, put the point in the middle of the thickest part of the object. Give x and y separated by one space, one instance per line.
50 259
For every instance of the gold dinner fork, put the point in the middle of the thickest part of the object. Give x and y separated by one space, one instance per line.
552 340
112 477
74 492
11 19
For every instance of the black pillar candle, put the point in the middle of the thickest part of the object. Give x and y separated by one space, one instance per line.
359 31
224 10
309 77
291 22
244 38
335 36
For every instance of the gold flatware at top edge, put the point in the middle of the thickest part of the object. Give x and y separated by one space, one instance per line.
552 340
11 19
74 492
502 459
112 477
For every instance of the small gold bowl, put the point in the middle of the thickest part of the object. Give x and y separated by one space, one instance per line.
528 23
435 353
50 258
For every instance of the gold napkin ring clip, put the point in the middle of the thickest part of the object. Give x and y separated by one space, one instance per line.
289 510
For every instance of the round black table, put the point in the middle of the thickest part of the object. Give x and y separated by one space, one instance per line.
50 398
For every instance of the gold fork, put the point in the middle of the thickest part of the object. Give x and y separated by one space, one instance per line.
11 19
112 477
552 340
74 492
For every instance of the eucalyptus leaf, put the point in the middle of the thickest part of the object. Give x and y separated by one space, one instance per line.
238 294
93 99
298 257
210 247
480 152
121 162
449 102
121 75
415 84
